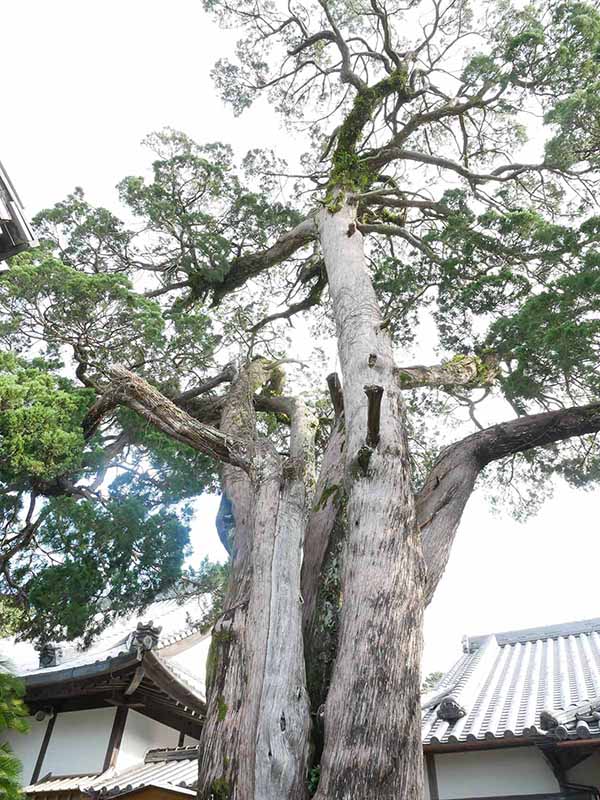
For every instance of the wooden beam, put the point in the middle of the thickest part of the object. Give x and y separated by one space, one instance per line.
187 726
123 701
434 792
138 677
44 746
116 737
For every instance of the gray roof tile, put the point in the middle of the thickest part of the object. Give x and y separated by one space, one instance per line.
504 681
165 768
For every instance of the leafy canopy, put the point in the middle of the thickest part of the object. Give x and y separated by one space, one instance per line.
468 137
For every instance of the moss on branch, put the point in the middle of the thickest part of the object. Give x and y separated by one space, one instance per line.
349 173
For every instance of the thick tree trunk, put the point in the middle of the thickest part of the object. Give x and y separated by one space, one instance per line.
372 717
255 738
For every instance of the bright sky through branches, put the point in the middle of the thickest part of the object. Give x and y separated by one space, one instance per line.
87 82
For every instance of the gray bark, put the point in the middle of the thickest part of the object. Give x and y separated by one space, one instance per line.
256 736
283 708
442 500
372 716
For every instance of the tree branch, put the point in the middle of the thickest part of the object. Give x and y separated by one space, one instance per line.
248 266
441 501
501 174
226 375
468 371
163 414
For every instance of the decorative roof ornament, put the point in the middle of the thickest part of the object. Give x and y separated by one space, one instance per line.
49 655
16 234
145 637
450 709
559 724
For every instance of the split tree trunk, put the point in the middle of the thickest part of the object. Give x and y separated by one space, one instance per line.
256 735
255 740
372 716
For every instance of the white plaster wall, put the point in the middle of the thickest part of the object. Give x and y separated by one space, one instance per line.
79 742
588 772
142 734
490 773
26 746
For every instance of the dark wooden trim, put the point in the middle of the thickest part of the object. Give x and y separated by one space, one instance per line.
494 744
44 746
162 715
543 796
181 739
434 793
116 737
480 744
160 675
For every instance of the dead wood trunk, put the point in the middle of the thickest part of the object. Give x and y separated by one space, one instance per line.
255 739
372 719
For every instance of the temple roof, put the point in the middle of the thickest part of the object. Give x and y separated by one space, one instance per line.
537 683
154 663
173 769
176 621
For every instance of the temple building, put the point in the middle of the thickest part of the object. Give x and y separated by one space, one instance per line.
122 717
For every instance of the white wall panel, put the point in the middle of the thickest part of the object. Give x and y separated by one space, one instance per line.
79 742
492 773
142 734
26 746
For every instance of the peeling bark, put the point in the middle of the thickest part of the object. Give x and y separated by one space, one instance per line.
163 414
221 757
283 708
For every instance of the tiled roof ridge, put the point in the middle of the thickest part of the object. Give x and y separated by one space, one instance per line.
171 753
538 633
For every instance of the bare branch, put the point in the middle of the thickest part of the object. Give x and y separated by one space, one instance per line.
228 374
441 501
163 414
468 371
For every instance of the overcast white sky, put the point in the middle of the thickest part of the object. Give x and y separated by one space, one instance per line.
83 83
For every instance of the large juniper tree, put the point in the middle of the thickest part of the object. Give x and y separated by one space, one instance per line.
159 348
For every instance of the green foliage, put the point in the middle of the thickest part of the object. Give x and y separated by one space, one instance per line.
40 423
220 789
12 717
430 681
114 557
314 776
97 315
11 617
553 338
199 209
